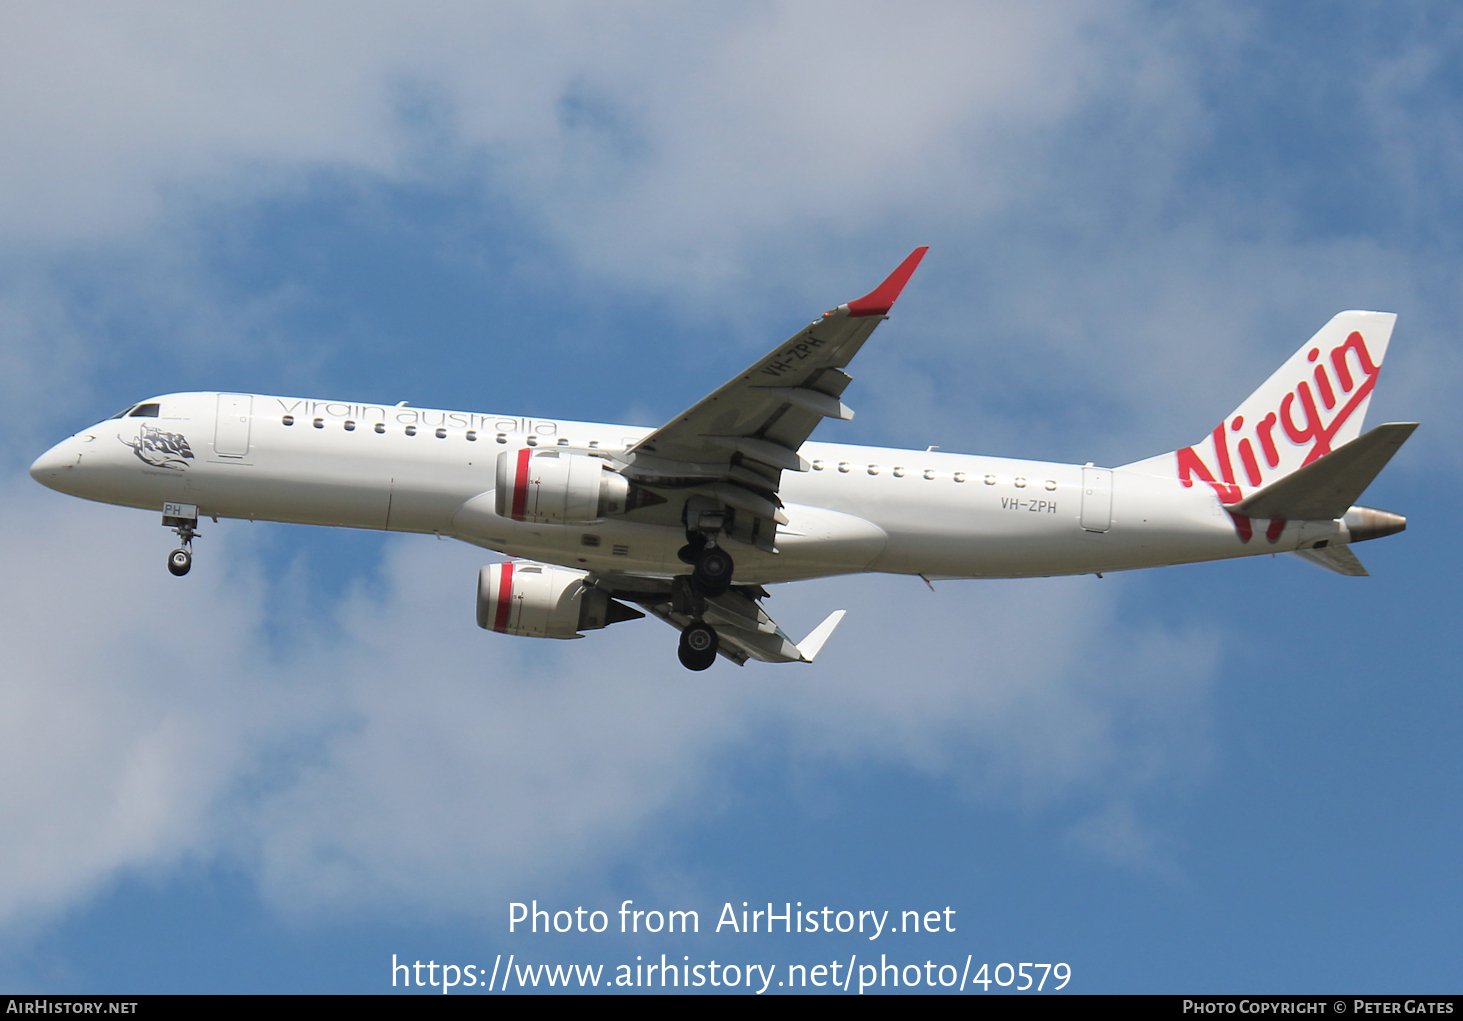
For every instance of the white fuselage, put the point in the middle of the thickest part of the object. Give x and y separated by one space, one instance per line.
859 509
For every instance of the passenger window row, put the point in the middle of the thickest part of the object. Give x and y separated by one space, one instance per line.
899 471
441 433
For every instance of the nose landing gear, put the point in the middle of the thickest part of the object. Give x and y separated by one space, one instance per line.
182 518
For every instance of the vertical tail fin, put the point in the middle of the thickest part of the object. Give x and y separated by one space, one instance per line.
1312 404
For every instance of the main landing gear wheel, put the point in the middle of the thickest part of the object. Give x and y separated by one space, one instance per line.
713 571
180 561
699 643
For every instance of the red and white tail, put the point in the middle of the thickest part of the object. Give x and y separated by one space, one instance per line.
1313 404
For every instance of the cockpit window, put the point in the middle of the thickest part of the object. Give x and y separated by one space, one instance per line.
144 411
122 413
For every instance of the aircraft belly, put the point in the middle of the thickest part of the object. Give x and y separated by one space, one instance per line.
816 543
233 492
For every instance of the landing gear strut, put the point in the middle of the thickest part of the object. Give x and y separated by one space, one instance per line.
699 643
182 518
711 566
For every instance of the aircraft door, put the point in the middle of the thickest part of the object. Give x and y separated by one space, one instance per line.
231 429
1096 499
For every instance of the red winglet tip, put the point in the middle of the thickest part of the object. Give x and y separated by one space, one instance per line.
881 299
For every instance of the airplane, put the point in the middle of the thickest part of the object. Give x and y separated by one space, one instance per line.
690 521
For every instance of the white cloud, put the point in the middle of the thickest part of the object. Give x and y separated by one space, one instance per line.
742 116
706 154
387 751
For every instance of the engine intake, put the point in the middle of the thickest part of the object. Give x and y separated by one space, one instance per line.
521 597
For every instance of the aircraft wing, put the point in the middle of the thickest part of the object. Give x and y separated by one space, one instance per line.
734 445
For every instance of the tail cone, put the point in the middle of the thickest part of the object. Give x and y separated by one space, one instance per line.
1369 523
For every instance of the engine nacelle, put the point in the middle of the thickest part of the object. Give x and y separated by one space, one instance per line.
555 487
521 597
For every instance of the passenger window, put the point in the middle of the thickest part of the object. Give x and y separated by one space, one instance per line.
899 471
319 423
144 411
380 427
502 437
873 469
411 430
817 466
594 444
929 473
564 442
350 426
843 466
1020 482
533 441
471 436
959 476
989 480
441 434
1051 485
288 420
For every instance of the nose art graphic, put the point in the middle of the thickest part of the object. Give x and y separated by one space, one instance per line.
160 449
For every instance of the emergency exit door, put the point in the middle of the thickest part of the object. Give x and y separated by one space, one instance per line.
231 430
1096 499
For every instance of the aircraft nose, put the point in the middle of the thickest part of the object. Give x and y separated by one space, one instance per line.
49 468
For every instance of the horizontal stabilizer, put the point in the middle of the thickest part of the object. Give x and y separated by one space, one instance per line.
1328 486
1334 558
811 645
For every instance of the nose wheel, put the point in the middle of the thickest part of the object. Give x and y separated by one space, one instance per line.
699 643
182 518
180 561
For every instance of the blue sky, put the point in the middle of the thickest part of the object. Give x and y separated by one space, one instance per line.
305 758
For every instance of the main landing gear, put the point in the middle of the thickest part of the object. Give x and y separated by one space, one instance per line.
699 643
711 576
711 566
182 518
699 640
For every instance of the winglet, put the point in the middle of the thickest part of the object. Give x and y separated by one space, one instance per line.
880 300
810 646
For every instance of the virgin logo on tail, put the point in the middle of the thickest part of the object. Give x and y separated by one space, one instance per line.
1268 438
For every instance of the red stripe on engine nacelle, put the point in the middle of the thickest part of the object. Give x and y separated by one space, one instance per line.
505 597
520 484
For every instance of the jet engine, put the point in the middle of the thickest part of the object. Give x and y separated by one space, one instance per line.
555 487
520 597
